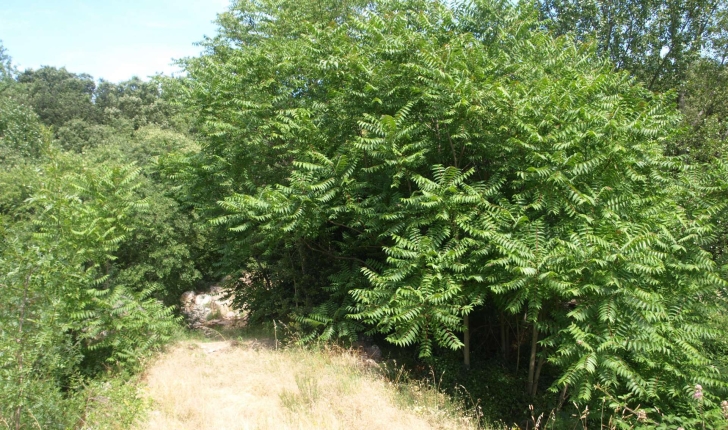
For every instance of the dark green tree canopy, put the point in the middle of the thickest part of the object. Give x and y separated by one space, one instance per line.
58 95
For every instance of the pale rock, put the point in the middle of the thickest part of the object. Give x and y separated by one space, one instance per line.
209 308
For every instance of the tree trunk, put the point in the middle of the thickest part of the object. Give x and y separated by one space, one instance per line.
504 341
532 359
562 397
534 389
466 342
518 346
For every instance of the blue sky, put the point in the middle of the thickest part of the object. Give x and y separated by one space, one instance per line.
109 39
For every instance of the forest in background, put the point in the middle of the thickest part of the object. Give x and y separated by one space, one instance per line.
527 197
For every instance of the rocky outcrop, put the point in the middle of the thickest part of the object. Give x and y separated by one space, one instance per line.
211 308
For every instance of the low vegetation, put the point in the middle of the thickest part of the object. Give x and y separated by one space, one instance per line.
248 384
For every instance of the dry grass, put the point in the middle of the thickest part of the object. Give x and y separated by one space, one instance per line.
215 385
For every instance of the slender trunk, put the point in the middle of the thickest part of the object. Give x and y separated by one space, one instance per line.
532 359
107 270
504 342
302 257
659 69
466 342
534 389
562 397
518 346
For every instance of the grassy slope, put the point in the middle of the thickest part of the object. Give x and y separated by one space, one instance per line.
252 385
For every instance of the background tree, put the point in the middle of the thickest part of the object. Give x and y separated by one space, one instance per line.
57 95
657 41
135 103
7 71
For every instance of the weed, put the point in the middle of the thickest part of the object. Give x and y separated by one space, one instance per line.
308 393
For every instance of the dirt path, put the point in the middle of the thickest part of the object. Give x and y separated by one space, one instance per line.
250 385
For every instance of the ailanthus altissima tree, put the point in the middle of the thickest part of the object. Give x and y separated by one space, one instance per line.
423 159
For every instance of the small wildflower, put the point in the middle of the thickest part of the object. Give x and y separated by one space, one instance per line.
698 392
724 407
579 342
641 415
681 428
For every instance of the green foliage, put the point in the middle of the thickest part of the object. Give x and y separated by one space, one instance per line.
705 108
389 167
135 103
22 135
57 95
163 249
24 141
84 115
66 312
77 135
93 243
485 380
113 403
432 163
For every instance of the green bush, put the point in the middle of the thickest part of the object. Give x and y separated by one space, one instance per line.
65 313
